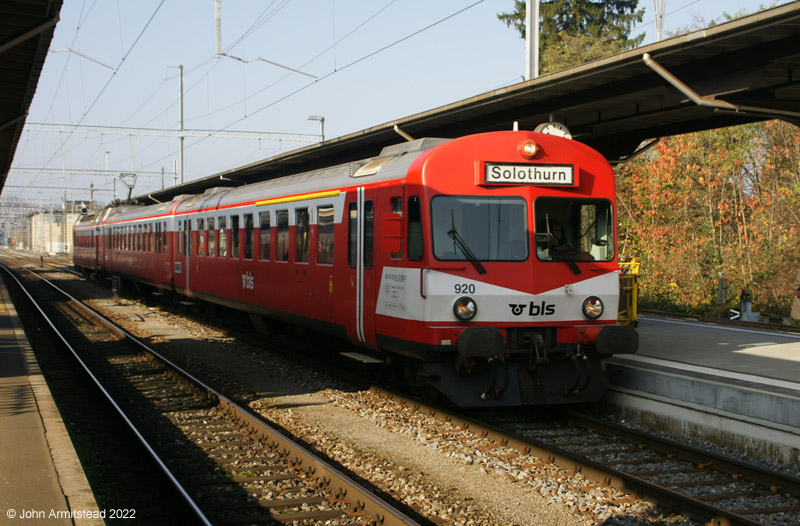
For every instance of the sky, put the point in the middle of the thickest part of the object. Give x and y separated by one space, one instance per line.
357 63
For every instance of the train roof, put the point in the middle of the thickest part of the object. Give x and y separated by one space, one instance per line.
392 163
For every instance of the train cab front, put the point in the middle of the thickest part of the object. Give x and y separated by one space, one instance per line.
521 289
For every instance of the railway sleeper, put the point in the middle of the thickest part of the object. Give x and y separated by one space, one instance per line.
767 511
712 482
307 515
267 503
197 482
730 495
594 453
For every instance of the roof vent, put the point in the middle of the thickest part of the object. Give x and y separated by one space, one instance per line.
372 167
412 146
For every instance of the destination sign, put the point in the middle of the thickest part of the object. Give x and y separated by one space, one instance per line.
536 174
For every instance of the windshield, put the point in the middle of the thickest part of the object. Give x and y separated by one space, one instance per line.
479 228
574 229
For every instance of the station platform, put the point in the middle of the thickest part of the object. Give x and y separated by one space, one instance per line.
734 385
41 478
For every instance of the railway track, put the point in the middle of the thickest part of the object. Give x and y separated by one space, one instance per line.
229 465
709 488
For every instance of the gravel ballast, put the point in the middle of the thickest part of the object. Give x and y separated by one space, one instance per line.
447 475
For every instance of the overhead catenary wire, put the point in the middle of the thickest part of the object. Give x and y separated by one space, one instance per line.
259 21
108 82
266 15
641 27
67 145
330 74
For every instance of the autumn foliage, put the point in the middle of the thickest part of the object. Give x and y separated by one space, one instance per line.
722 201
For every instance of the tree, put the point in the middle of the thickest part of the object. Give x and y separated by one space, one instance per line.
576 31
719 201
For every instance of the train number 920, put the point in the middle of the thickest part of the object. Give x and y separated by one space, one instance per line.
464 288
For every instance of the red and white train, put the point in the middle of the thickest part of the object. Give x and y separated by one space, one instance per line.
483 267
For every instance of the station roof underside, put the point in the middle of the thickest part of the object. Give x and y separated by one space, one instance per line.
26 29
749 66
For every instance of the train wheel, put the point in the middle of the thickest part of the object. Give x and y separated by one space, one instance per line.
372 373
417 384
429 394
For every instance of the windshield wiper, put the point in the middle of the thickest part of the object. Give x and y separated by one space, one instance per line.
558 255
471 257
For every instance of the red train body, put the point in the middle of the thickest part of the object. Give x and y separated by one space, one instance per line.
485 267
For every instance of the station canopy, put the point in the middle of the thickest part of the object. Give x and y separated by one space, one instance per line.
26 29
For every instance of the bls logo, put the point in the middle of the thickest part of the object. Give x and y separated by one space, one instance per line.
534 309
248 282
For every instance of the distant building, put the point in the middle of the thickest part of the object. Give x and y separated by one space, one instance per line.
51 231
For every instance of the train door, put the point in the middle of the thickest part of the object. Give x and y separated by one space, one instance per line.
158 255
168 252
187 252
361 263
180 252
98 261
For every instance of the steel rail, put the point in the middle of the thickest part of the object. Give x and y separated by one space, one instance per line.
596 471
751 472
173 480
363 502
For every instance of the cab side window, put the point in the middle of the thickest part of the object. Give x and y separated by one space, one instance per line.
397 208
416 247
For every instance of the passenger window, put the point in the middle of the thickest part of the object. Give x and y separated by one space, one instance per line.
416 247
282 247
301 230
325 235
223 237
212 238
248 236
264 234
235 237
201 237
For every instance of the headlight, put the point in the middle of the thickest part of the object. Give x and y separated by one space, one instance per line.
465 308
528 148
592 307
